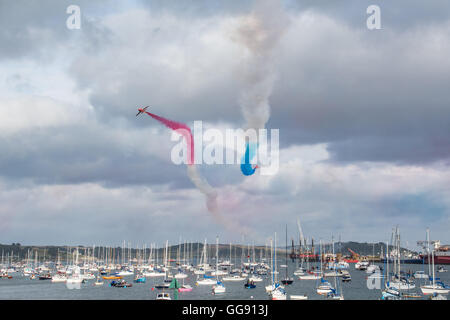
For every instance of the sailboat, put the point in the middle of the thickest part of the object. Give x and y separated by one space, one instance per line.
324 288
205 280
76 277
234 276
434 288
399 282
310 274
165 267
300 270
219 287
287 280
98 282
336 292
372 267
389 293
277 291
185 287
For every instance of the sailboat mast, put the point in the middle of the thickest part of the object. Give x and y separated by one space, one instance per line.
286 255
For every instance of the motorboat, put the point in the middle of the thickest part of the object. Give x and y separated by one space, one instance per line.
218 288
420 275
120 284
235 277
163 296
249 284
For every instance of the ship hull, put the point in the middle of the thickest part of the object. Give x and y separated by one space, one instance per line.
439 259
405 261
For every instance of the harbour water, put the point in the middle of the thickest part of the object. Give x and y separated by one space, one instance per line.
21 287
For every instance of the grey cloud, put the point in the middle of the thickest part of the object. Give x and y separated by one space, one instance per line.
32 29
399 14
80 154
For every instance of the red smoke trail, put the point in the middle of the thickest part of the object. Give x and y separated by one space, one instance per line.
196 178
181 128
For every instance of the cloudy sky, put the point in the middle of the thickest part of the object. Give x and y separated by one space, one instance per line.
364 120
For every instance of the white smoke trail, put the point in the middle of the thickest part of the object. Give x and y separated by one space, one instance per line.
204 187
260 33
211 199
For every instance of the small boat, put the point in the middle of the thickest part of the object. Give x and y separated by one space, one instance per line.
249 285
324 288
45 277
88 276
162 286
218 288
112 278
255 278
278 293
154 274
287 281
438 296
412 295
372 268
441 269
362 265
333 295
390 294
298 297
185 288
181 275
402 284
299 272
272 287
346 278
98 283
310 275
436 288
120 284
234 277
125 273
420 275
59 277
163 296
206 281
139 279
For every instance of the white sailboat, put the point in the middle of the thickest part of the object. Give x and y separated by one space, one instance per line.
324 288
205 280
434 288
219 287
399 282
277 291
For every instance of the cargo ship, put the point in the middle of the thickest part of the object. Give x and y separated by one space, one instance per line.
441 254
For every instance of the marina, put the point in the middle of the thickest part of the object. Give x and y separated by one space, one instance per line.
200 271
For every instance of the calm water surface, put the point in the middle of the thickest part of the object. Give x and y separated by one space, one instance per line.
23 288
